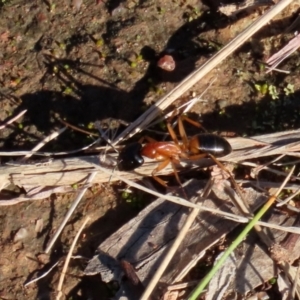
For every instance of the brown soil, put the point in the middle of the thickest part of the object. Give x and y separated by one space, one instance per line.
98 61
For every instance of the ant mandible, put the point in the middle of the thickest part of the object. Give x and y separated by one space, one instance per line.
199 146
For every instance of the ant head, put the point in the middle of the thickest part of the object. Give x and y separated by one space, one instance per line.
130 157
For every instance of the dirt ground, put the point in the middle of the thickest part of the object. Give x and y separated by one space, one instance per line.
83 62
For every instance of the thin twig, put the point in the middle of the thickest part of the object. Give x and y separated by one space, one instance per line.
21 153
295 283
63 272
199 289
261 167
288 199
47 139
278 70
195 100
77 128
181 286
42 276
277 172
181 235
142 122
70 211
13 119
181 201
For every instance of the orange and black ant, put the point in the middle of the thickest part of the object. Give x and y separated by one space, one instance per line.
199 146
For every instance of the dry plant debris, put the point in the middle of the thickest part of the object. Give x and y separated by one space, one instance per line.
144 243
32 176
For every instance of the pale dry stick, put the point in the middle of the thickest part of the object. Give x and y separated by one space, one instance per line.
285 52
273 185
171 113
181 201
175 245
278 70
267 184
188 105
195 100
77 128
281 173
13 119
288 163
21 153
260 167
242 205
288 199
47 139
63 272
247 212
143 121
181 286
238 240
295 283
70 211
42 276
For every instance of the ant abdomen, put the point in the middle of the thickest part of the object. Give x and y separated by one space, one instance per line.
130 157
210 144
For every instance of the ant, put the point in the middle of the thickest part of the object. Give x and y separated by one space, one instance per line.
199 146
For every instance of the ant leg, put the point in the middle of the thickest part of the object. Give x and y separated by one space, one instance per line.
236 186
178 179
183 133
172 133
160 167
194 123
176 174
160 181
147 138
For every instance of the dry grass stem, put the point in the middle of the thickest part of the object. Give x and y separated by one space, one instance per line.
284 53
181 286
181 235
261 167
78 129
278 70
145 119
47 139
271 170
13 119
70 211
42 276
64 270
295 283
181 201
288 199
280 143
287 178
187 106
30 153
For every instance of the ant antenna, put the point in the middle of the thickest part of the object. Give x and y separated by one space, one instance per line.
104 136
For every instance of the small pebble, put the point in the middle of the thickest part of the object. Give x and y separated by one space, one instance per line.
39 225
21 234
166 63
